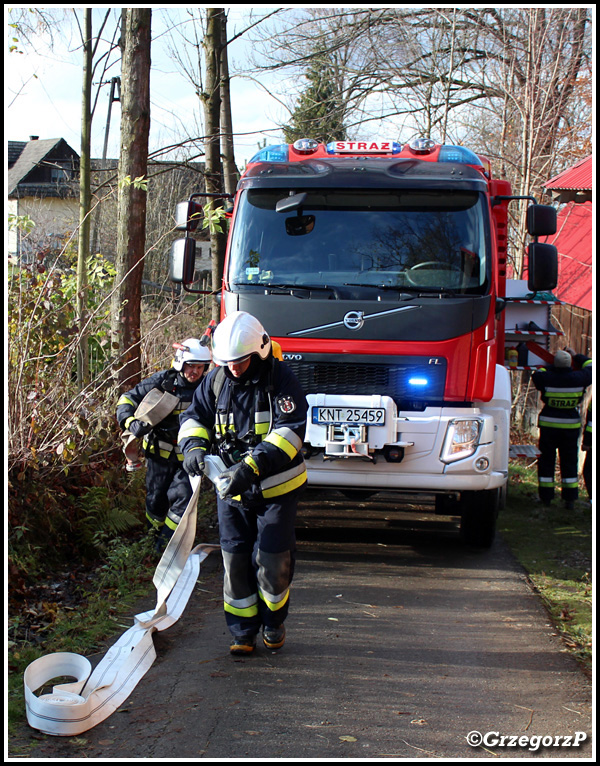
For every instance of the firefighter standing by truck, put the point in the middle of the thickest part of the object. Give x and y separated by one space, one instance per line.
251 412
168 489
562 389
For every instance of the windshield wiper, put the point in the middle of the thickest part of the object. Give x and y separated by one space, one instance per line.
292 289
439 290
374 286
404 293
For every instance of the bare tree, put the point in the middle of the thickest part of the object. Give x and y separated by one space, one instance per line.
211 100
131 218
504 78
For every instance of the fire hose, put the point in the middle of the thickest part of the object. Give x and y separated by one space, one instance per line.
72 708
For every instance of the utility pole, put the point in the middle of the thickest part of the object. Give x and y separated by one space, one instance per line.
115 85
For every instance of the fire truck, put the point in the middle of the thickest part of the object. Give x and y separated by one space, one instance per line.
380 269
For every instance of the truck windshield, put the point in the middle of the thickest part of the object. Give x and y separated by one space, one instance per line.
392 239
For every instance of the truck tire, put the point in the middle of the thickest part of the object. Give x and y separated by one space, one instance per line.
479 512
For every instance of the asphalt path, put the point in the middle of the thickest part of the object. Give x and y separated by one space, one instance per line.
402 643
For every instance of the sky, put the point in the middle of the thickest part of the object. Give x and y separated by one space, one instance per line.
43 92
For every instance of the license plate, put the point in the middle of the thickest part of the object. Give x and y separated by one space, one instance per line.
360 416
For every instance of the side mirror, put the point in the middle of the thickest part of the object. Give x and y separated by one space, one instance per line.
542 267
182 260
541 220
187 215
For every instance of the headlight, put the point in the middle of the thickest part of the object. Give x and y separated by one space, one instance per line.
462 439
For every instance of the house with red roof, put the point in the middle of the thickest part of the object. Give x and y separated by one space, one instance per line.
574 237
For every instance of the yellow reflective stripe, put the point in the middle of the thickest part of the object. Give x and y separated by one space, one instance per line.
243 607
171 524
192 428
262 422
126 400
570 482
285 486
564 423
155 522
275 602
129 421
221 426
286 440
249 460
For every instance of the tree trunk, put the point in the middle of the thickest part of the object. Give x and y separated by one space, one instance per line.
131 207
230 173
83 249
211 99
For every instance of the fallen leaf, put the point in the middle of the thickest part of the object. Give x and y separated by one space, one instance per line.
348 738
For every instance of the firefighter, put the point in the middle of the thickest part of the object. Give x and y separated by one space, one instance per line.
168 488
586 446
251 411
562 389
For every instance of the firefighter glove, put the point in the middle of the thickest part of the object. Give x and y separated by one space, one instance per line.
193 461
235 480
138 428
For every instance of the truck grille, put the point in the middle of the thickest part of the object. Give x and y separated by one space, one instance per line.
324 377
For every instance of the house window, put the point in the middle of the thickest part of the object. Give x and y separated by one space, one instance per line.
59 174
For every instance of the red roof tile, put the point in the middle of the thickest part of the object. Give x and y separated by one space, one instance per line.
577 177
573 240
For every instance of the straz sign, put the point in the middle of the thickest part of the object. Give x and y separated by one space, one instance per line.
363 147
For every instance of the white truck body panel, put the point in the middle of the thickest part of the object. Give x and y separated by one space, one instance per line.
349 460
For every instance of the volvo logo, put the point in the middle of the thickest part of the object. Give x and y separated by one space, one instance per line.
354 320
292 357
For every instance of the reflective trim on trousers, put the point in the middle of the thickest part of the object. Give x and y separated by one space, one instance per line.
284 482
559 422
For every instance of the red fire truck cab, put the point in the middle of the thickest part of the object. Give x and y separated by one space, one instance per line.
380 270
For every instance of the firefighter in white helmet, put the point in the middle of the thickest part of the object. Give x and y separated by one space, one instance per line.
168 489
251 411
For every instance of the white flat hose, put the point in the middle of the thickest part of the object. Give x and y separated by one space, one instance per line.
75 707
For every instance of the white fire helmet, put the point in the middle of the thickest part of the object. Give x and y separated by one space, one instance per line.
238 336
191 351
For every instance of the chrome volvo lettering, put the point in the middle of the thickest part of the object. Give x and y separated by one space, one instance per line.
363 316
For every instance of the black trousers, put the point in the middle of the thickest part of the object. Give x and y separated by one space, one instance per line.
258 545
168 491
563 441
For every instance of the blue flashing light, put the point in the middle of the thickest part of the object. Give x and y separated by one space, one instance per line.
279 153
459 154
418 382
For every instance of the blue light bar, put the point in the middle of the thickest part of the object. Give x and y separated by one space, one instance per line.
418 382
278 153
458 154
